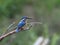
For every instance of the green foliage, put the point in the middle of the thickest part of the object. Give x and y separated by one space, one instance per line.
46 11
54 39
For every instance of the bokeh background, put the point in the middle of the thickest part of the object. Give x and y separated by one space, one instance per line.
45 11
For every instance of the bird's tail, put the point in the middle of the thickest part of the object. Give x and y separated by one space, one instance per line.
17 30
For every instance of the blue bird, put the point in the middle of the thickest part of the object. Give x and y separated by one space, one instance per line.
22 23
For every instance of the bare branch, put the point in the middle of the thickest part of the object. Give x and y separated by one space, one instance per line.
12 32
7 34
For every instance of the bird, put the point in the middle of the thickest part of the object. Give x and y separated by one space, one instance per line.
22 23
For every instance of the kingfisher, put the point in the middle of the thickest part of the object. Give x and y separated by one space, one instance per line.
22 23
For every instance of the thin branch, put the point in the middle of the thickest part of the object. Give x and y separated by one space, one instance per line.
7 34
12 32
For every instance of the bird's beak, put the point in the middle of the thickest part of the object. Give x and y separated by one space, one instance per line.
29 18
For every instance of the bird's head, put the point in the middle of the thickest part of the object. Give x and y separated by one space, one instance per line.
25 17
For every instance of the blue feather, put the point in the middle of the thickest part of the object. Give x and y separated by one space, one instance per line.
20 25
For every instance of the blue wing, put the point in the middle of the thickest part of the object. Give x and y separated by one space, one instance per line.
20 25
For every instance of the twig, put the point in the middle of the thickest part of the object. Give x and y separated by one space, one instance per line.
7 34
12 32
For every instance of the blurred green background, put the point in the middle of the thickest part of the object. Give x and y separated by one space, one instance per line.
45 11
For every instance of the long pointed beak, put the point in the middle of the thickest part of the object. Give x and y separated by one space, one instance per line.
29 18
